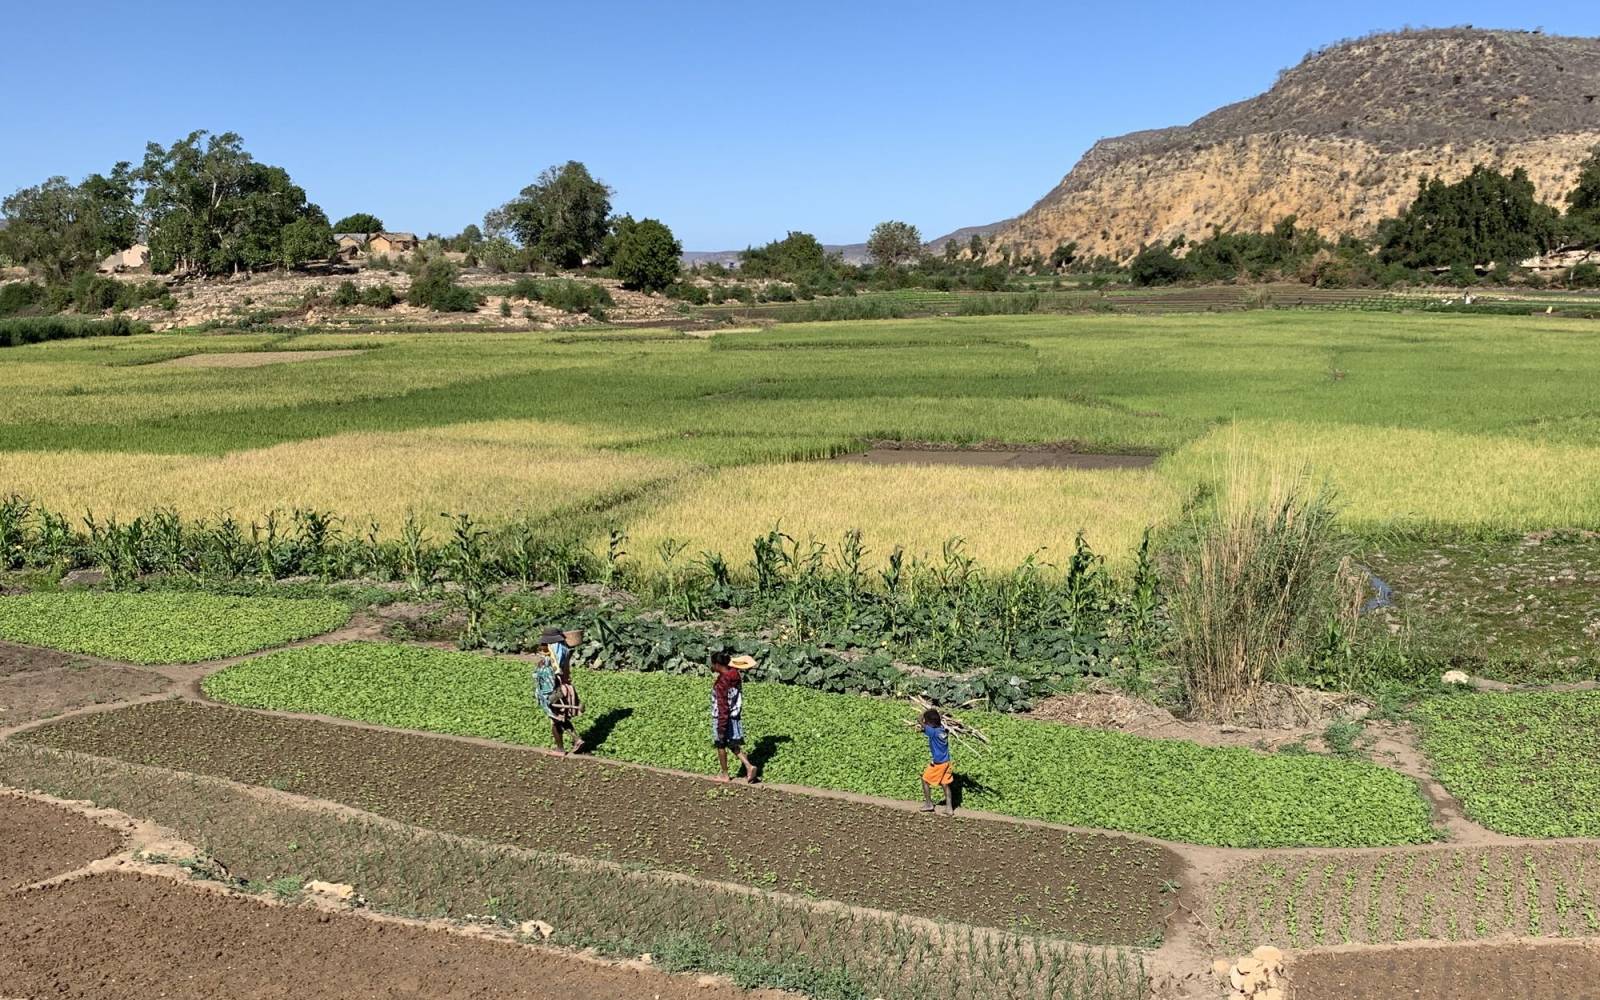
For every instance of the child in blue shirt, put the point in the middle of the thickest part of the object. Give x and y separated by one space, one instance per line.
937 773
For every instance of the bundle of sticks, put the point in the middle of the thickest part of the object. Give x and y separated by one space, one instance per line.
959 730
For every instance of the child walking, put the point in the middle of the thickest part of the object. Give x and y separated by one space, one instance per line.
552 686
937 773
727 710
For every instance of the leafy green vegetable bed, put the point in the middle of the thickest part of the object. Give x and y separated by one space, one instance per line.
163 626
1170 789
1521 764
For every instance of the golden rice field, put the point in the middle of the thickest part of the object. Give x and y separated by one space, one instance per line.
1002 516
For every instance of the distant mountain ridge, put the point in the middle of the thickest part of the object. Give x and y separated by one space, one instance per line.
1340 141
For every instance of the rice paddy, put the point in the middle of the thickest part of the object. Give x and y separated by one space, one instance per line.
1436 424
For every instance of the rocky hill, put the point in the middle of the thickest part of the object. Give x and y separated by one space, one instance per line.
1340 140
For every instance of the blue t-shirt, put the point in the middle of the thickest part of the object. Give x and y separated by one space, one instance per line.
938 743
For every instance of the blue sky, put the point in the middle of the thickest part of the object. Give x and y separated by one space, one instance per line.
731 122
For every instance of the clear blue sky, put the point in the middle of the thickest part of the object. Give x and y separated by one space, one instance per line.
731 122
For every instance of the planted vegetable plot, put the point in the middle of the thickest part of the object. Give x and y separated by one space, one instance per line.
1093 888
163 626
1522 764
1445 894
1165 788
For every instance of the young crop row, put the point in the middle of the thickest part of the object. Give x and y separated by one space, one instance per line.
761 938
164 626
1522 764
1439 895
1171 789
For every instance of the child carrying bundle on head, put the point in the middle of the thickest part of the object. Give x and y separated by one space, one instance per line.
938 773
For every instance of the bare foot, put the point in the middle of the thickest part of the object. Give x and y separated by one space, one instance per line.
578 746
723 778
927 808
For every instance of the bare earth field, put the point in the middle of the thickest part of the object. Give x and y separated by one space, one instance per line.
1502 971
42 841
40 683
128 936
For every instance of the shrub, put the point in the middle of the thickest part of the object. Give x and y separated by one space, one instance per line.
18 296
688 291
564 294
379 296
18 330
1585 275
346 294
1261 563
435 288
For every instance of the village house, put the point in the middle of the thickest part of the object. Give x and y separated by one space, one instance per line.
392 242
350 245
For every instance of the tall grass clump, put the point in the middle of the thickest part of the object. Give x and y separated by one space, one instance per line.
18 330
1249 586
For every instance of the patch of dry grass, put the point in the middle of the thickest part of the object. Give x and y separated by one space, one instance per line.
497 471
1004 515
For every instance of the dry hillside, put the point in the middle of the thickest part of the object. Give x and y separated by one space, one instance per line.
1340 140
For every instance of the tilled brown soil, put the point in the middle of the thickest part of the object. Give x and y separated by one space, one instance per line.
1089 887
1503 972
40 683
39 841
129 936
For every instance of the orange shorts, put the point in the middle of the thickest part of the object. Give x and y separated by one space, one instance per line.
938 774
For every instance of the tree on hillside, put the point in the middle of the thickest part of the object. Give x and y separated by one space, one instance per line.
304 241
976 247
59 229
1064 254
646 256
795 257
1157 265
564 215
894 243
1484 217
213 208
1583 202
360 222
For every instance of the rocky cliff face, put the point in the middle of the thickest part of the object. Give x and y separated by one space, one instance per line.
1340 141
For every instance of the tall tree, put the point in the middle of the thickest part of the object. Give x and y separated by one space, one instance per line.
1583 203
894 243
59 229
212 208
797 255
646 257
1486 217
563 216
359 222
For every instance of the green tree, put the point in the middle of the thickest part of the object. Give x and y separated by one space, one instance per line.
647 258
59 229
975 246
1157 265
1064 254
1484 217
303 241
796 257
213 208
1583 202
435 288
894 243
564 215
360 222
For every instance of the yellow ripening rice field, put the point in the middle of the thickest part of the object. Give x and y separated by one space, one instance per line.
1394 477
497 471
1003 515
